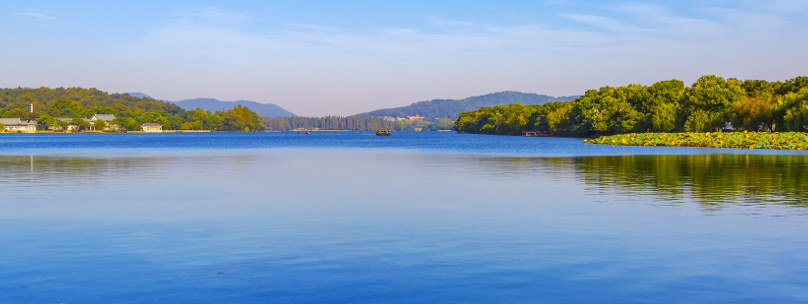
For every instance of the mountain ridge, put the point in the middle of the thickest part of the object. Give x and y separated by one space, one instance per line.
451 108
213 105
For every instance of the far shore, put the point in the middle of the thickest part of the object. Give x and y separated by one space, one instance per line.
102 132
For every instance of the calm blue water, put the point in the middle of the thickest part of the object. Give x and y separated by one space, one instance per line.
414 217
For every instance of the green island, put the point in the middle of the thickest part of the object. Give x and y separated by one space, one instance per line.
712 112
92 110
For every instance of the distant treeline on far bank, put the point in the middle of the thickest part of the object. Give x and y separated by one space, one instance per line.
711 104
53 109
357 123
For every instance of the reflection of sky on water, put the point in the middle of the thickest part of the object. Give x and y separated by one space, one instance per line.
342 225
237 184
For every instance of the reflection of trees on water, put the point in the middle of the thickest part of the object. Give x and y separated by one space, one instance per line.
55 170
711 180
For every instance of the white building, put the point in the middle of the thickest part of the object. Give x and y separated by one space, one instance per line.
16 124
70 127
107 118
151 127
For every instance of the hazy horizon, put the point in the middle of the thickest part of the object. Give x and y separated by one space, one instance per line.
318 58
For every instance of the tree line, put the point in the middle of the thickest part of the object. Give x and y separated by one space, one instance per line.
356 123
130 111
712 103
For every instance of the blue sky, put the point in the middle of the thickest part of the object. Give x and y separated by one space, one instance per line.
345 57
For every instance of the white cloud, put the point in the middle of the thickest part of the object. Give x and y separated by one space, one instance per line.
212 16
598 21
37 15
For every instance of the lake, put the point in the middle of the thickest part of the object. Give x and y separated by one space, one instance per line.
414 217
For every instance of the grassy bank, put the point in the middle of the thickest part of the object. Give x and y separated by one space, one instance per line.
744 140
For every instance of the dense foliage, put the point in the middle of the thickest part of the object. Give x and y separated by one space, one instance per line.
746 140
711 104
130 111
450 108
353 123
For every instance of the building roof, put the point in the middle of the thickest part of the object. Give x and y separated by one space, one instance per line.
10 121
104 117
16 122
151 124
68 119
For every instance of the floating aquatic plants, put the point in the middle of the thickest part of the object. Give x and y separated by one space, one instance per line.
744 140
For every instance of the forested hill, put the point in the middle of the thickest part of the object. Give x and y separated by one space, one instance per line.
76 103
450 108
712 103
130 111
213 105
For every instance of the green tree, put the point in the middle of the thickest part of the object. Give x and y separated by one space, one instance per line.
662 106
793 85
240 118
99 125
754 113
61 125
64 107
796 111
81 124
558 118
606 111
45 120
127 123
710 101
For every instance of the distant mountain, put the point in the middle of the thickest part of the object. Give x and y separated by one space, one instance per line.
213 105
451 108
139 95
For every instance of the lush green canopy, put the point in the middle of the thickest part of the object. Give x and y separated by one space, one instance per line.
711 103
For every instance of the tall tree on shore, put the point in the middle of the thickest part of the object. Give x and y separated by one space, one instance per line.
708 103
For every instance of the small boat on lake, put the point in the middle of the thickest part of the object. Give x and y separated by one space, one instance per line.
536 133
382 132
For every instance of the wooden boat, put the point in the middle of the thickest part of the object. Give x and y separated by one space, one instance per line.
536 133
382 132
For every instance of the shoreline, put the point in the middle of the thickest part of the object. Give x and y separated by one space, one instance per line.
102 132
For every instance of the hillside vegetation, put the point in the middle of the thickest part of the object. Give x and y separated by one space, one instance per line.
130 111
712 103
